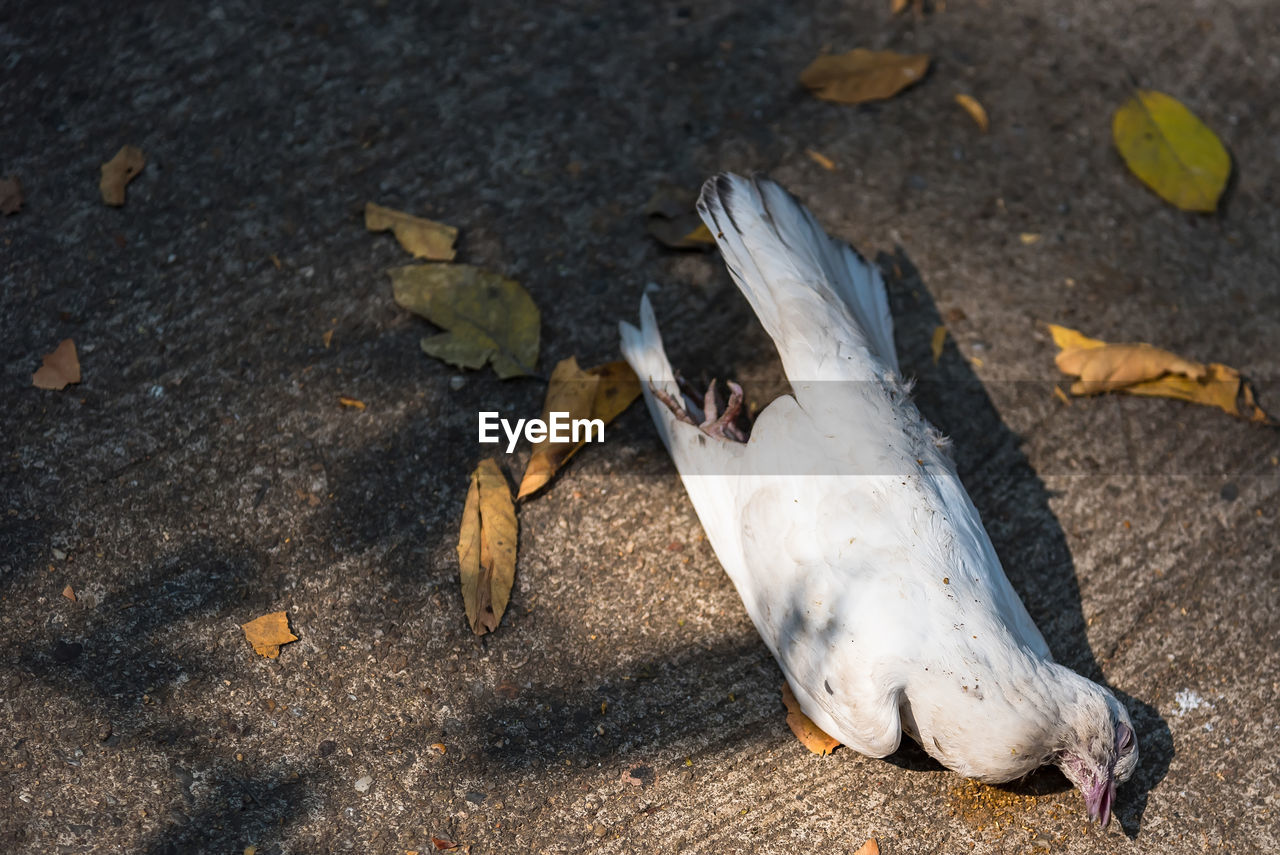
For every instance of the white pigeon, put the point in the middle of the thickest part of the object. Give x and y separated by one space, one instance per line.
841 520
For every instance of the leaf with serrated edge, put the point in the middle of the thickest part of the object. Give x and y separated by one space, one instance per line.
1171 151
424 238
487 547
489 318
863 75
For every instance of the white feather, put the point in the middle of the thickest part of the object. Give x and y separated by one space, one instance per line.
856 550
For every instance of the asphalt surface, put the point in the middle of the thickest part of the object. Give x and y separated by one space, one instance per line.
204 472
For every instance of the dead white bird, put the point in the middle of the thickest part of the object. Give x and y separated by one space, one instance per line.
840 518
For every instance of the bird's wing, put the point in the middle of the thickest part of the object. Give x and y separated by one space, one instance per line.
822 304
707 464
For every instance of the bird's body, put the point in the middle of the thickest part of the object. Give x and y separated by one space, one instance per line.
843 524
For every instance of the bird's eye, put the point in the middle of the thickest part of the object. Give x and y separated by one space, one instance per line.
1124 738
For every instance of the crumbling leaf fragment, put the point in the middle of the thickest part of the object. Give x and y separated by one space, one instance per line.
863 75
810 735
11 198
1140 369
673 220
119 171
352 403
1171 151
975 110
267 633
70 593
489 318
871 847
601 393
821 159
58 369
487 547
424 238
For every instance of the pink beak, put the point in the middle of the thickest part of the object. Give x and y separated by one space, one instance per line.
1099 800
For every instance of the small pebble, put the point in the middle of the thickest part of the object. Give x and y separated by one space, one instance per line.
1230 492
363 785
599 830
457 381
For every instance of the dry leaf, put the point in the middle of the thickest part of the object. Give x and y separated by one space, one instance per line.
1171 151
267 633
424 238
487 547
489 318
936 343
1140 369
69 593
810 735
1029 238
351 402
869 848
11 198
58 369
897 7
673 220
862 75
443 844
975 110
119 171
821 159
601 393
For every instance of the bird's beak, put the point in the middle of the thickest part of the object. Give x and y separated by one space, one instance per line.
1100 798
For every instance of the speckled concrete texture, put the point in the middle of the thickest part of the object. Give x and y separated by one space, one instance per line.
204 472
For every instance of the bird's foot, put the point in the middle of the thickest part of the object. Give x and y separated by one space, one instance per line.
728 421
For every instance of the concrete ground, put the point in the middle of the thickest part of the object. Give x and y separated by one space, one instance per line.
203 472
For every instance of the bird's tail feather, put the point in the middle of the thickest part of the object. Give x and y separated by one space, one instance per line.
806 288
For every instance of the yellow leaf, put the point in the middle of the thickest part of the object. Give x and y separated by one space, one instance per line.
936 343
351 402
1140 369
424 238
1028 238
58 369
601 393
487 548
1069 339
871 847
119 171
975 110
489 318
810 735
267 633
701 234
673 221
862 75
1171 151
821 159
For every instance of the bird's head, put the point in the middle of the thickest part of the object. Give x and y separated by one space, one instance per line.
1100 751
